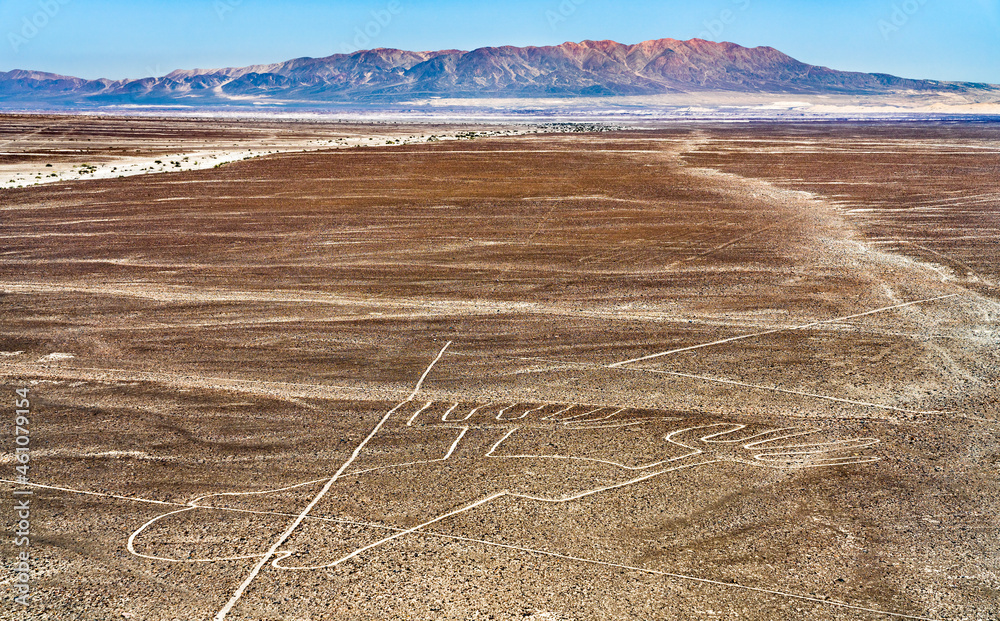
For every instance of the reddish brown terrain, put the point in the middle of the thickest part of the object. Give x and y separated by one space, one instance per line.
697 372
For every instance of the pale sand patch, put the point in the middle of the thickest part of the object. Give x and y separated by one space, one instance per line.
37 173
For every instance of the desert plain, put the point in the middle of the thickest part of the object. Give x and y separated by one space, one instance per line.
690 371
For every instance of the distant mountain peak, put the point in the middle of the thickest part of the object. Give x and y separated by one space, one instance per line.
571 69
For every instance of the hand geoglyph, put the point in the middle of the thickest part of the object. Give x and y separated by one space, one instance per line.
425 462
457 457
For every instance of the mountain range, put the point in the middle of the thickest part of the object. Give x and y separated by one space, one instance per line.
589 68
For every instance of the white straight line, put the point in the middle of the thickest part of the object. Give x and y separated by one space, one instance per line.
554 414
447 456
566 420
802 327
609 487
587 365
788 391
498 545
298 520
397 534
420 383
88 493
579 559
326 488
543 406
732 585
501 441
522 416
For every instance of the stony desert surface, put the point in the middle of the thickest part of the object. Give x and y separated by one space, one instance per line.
42 149
699 371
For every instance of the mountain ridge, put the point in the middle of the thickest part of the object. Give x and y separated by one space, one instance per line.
584 69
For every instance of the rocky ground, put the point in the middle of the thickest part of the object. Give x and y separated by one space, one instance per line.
44 149
712 372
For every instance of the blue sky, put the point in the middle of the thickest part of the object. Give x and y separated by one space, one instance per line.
938 39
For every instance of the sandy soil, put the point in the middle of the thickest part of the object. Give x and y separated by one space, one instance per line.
734 106
36 150
687 373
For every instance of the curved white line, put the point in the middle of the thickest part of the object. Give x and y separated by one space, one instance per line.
409 423
130 544
195 501
444 417
521 417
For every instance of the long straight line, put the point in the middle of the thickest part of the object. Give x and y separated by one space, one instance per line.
734 585
420 383
646 570
427 533
89 493
401 532
721 380
802 327
221 615
787 391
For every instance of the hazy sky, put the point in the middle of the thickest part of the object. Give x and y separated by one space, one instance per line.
939 39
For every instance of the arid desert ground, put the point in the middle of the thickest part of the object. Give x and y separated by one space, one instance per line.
700 371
